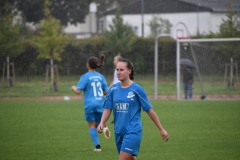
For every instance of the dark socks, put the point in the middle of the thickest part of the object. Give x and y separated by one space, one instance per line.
98 146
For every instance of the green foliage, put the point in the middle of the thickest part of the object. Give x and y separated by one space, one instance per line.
10 38
230 27
3 3
120 37
159 25
51 41
141 53
70 11
76 53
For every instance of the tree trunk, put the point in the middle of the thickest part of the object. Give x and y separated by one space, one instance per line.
8 71
231 73
52 75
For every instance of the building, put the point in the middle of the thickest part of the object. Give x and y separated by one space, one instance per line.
188 17
87 29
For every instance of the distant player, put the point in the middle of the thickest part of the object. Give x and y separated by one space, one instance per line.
115 78
94 86
126 99
117 58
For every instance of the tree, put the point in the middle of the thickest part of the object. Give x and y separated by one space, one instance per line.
230 27
10 38
9 3
51 41
67 11
159 25
120 37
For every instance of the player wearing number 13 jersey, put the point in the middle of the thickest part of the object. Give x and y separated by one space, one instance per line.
94 86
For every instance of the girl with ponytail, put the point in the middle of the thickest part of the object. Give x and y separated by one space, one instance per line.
94 86
126 100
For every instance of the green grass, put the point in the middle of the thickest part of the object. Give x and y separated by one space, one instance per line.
37 86
56 130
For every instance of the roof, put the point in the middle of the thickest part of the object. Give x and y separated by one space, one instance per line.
177 6
216 5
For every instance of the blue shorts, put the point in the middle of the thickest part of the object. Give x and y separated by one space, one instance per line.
129 142
96 116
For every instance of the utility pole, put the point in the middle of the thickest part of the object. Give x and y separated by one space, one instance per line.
142 9
198 20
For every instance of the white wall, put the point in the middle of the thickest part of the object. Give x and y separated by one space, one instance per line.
90 25
206 22
216 20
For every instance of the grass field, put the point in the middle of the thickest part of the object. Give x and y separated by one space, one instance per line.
56 130
37 86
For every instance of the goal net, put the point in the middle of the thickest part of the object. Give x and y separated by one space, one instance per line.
215 66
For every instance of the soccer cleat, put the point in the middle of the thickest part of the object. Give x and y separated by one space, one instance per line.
97 150
106 132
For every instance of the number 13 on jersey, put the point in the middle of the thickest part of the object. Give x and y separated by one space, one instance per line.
97 89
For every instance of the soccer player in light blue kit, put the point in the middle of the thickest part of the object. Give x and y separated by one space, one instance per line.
94 86
126 99
115 79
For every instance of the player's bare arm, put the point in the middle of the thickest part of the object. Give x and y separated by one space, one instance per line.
156 120
106 114
74 89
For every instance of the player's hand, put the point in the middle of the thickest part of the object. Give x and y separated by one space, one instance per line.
73 88
100 128
165 135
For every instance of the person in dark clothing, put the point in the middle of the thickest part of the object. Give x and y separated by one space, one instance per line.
187 82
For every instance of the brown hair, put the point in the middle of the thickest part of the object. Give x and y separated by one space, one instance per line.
93 62
129 66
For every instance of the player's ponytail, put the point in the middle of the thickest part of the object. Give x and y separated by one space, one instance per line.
131 76
102 57
93 62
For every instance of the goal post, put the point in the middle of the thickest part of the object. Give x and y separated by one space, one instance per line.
210 57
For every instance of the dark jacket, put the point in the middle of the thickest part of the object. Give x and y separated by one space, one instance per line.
187 75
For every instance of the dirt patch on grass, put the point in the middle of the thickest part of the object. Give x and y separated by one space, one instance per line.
151 97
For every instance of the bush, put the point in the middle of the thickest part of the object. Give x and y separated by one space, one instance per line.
77 52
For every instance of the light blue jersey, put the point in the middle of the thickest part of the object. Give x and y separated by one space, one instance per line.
93 84
126 104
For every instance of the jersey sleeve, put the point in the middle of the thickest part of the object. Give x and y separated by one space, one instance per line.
143 98
82 83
